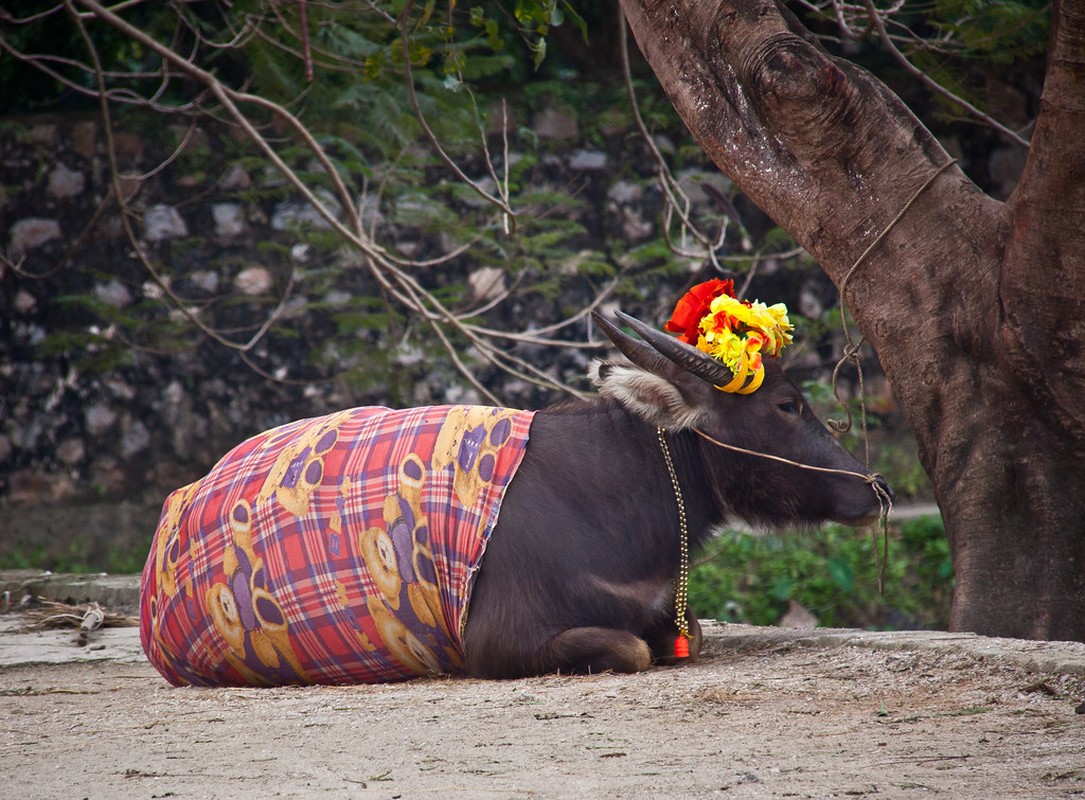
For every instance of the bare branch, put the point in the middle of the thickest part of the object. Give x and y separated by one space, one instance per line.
932 84
412 97
121 199
676 200
393 274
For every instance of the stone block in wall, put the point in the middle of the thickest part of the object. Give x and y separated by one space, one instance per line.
24 301
99 418
501 120
85 139
588 160
229 219
65 182
552 123
135 438
128 145
32 232
253 281
161 222
693 182
235 178
42 133
71 451
289 214
114 293
486 283
625 192
37 487
206 280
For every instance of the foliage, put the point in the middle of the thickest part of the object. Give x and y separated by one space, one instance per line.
990 45
996 32
391 93
892 453
975 52
379 86
74 557
743 577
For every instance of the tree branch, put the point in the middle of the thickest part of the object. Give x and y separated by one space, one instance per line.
412 96
933 85
453 330
1043 280
834 157
803 135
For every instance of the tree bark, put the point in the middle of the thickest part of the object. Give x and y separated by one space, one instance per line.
975 307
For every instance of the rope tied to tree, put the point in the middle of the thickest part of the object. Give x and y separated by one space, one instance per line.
851 352
851 348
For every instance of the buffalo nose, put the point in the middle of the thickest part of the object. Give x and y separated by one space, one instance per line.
884 487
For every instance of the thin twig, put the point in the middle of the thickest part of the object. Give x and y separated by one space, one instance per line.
412 98
676 200
390 272
932 84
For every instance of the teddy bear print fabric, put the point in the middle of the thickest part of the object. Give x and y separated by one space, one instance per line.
339 549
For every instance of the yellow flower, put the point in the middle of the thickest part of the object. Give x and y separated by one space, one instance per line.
737 333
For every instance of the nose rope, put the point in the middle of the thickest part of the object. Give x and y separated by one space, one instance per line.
885 502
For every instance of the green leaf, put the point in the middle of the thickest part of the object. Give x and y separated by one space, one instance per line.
538 51
841 573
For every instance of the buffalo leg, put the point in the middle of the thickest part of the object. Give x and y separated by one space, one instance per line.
592 649
662 642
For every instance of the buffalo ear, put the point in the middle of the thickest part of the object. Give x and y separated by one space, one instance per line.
652 397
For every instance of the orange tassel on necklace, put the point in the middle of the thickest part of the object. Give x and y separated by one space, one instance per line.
681 647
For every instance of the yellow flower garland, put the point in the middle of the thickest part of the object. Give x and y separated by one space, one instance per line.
735 332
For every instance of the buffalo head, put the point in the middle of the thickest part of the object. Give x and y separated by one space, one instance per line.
786 466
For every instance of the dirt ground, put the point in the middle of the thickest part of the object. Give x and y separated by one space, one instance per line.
761 715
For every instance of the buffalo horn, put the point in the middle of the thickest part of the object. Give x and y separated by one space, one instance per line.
634 349
684 355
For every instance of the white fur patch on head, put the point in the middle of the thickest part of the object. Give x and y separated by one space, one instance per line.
649 396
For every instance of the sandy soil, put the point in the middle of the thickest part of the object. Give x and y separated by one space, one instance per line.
749 720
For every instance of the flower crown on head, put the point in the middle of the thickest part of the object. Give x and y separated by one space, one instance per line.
737 333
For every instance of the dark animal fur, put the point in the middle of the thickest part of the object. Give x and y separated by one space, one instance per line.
579 575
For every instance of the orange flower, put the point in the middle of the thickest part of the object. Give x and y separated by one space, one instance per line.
694 305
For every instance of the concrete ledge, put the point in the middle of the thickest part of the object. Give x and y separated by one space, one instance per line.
120 593
20 647
1048 657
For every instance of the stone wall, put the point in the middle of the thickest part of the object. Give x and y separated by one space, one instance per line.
93 411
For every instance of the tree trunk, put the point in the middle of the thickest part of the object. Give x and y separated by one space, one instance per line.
974 306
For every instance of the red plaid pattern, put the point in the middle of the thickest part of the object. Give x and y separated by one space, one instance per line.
339 549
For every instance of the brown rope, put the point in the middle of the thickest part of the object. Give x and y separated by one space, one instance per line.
851 349
851 353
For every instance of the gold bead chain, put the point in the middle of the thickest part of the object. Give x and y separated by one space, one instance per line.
681 589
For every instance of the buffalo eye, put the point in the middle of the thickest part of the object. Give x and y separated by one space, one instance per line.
791 406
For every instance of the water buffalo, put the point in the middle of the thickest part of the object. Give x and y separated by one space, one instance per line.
291 563
580 573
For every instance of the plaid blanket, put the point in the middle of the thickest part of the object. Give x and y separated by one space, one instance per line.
339 549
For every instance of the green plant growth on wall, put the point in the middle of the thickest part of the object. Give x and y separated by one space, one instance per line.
75 557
